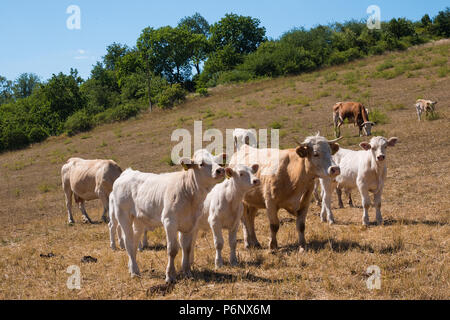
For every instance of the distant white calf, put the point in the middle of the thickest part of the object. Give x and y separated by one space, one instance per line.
142 201
223 208
426 106
88 180
244 136
366 170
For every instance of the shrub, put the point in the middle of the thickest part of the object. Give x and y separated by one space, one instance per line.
78 122
172 95
430 116
203 92
234 76
120 113
37 134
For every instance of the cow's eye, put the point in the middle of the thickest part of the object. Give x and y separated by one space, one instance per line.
316 154
241 174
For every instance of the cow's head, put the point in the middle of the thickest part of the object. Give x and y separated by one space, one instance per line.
431 106
205 165
243 176
378 146
318 151
367 127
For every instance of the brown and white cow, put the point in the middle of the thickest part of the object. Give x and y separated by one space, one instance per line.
426 106
88 180
287 181
353 111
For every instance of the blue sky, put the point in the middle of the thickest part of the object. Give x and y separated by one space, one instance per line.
35 38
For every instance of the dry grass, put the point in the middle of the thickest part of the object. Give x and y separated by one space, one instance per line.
412 248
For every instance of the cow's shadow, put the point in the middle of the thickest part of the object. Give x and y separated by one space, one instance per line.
213 276
155 247
390 222
337 246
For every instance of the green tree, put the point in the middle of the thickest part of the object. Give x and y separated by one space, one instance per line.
25 84
243 34
441 23
62 95
114 51
6 92
196 24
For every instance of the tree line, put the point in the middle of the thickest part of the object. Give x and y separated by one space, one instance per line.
168 62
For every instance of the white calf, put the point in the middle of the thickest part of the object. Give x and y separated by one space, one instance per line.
142 201
223 208
366 170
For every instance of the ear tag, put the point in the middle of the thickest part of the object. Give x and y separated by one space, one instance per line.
185 167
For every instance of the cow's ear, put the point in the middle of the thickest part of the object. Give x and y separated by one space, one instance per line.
186 163
392 141
365 145
228 172
334 147
302 151
221 159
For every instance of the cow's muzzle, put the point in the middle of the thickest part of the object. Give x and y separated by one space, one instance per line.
334 171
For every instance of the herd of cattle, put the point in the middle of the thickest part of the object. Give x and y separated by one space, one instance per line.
199 198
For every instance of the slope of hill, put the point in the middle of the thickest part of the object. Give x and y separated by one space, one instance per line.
411 249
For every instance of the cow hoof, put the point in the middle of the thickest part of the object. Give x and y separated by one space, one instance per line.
71 223
170 280
331 221
135 275
233 263
219 264
379 222
105 219
301 250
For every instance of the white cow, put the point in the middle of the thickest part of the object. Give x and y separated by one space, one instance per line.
223 208
426 106
88 180
244 136
174 200
365 170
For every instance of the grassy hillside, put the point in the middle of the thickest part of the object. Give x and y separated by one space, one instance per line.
412 248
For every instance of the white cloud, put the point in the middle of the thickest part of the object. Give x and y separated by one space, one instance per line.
81 51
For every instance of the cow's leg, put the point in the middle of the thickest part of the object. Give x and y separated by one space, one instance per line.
144 243
68 195
86 218
377 205
300 225
113 226
365 203
272 211
186 247
126 223
419 111
120 237
316 193
218 243
349 195
339 195
104 198
248 220
326 186
194 240
232 240
172 249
